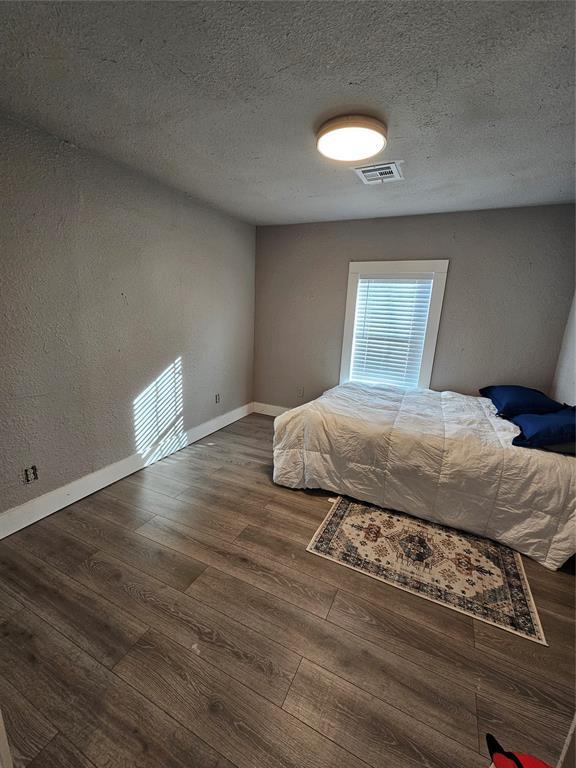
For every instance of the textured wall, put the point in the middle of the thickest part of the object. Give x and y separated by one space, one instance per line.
564 385
507 296
105 279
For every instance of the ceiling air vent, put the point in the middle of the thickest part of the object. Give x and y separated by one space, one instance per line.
377 174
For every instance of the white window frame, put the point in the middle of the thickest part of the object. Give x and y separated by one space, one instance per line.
437 270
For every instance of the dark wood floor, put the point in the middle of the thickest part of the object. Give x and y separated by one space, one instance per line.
175 619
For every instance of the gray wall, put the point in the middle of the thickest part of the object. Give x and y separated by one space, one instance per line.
106 278
564 385
507 297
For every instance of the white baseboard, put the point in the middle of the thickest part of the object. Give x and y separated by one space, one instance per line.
31 511
269 410
219 422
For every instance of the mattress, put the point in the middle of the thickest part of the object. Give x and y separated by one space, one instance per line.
440 456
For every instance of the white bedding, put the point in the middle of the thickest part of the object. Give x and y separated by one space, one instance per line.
440 456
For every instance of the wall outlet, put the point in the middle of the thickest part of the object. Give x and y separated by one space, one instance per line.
217 397
300 393
29 474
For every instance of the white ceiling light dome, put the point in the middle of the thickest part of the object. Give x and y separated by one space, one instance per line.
351 137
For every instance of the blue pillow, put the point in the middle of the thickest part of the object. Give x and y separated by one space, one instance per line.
551 431
511 400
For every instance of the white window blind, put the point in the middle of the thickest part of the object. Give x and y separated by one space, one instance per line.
392 319
390 330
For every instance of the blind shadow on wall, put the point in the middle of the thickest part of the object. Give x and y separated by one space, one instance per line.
158 416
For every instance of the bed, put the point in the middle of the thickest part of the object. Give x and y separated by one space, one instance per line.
440 456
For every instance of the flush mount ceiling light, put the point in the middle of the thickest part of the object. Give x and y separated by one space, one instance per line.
351 137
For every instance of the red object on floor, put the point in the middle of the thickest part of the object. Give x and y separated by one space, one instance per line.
503 759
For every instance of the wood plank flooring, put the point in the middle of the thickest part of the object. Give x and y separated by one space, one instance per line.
175 619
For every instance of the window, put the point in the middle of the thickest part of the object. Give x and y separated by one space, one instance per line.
392 317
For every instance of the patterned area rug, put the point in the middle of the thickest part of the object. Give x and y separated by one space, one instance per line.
462 571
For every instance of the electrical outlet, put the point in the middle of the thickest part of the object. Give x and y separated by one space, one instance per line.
217 397
300 393
30 474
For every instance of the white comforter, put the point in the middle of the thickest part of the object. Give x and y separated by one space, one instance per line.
440 456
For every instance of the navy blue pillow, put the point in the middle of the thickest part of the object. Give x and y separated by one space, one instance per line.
550 431
511 400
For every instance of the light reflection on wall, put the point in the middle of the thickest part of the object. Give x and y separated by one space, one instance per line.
158 416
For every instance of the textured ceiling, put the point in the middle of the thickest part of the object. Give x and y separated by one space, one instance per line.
220 99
